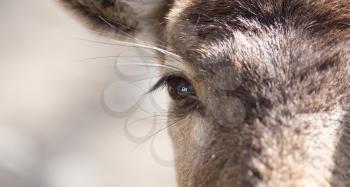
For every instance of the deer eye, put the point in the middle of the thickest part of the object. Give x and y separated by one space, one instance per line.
179 88
181 91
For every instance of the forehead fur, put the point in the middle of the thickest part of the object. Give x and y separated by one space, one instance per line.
273 51
211 20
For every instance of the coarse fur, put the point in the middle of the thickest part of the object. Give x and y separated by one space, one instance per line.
272 80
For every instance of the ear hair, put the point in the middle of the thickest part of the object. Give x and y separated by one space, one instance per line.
126 16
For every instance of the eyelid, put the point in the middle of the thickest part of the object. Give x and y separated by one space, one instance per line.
163 81
159 84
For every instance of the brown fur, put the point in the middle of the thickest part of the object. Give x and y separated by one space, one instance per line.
272 79
100 15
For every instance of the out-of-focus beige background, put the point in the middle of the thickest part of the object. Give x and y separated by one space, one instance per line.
55 128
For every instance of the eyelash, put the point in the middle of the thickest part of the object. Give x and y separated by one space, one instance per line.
185 100
178 87
161 83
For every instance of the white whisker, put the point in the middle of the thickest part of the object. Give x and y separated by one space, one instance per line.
141 64
146 46
148 65
115 56
125 34
136 45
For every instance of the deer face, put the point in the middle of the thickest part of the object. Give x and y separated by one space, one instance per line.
259 89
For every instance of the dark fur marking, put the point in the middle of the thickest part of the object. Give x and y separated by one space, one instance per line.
117 13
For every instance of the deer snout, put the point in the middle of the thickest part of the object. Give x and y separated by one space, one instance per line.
279 150
290 151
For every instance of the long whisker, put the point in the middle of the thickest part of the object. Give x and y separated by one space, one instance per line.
149 65
145 118
147 78
167 127
142 64
126 35
114 56
159 131
135 120
146 46
136 45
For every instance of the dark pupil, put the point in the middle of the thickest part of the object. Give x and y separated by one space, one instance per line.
184 89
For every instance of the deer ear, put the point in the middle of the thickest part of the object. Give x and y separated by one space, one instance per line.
120 16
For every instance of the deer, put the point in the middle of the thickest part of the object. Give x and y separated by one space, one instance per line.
259 89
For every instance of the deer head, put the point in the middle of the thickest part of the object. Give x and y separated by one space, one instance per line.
259 88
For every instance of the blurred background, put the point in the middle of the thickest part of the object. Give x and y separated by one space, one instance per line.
70 116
